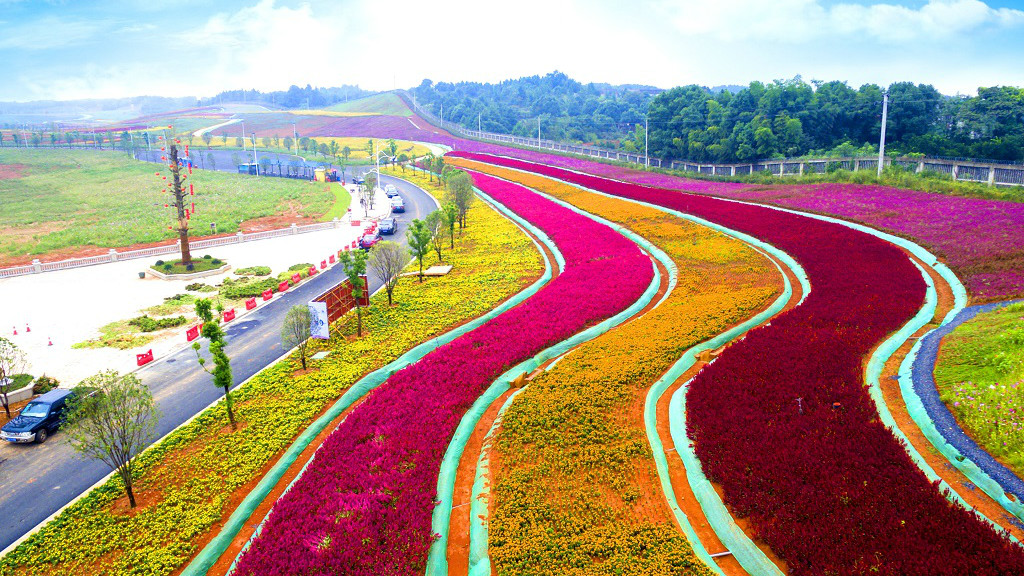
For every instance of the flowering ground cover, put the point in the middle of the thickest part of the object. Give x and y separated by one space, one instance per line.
572 489
365 501
981 240
186 483
825 485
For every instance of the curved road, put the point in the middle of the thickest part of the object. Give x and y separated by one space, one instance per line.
37 480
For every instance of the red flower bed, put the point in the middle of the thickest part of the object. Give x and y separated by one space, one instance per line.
363 505
830 490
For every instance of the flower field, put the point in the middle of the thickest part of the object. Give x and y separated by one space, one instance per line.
573 483
825 485
365 500
186 482
981 240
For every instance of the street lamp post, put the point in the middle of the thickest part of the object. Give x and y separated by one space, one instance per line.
255 160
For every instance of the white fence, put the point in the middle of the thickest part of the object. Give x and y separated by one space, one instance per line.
114 256
993 174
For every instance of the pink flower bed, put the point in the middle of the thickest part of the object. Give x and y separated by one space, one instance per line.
363 505
830 490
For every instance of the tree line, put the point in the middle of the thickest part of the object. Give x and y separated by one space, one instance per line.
784 118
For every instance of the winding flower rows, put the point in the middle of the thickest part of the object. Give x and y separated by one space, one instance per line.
574 476
364 503
782 421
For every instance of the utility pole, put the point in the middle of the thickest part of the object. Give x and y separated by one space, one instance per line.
478 129
881 140
538 131
178 191
243 136
647 156
255 160
295 139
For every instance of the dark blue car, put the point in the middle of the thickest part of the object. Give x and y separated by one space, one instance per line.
387 226
39 418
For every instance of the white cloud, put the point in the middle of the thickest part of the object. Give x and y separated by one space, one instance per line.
48 33
796 21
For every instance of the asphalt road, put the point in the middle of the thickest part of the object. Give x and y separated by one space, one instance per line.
36 480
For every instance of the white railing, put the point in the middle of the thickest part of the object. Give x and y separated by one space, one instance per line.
993 174
115 256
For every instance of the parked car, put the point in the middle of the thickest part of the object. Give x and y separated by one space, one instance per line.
368 240
358 179
39 418
387 226
390 190
397 204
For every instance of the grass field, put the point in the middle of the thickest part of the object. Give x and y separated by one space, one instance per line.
980 374
58 201
388 104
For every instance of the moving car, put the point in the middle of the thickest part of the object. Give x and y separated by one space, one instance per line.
397 204
390 190
387 226
368 240
39 418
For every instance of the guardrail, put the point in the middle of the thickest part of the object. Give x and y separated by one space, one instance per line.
991 173
113 255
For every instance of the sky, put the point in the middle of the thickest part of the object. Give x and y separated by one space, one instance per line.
62 50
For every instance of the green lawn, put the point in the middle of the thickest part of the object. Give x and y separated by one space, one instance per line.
980 375
389 104
67 199
342 200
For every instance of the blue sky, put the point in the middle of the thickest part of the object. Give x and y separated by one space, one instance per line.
81 48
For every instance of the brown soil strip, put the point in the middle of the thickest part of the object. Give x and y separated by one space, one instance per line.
677 471
894 400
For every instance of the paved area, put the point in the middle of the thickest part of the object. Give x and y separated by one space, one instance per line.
37 480
69 306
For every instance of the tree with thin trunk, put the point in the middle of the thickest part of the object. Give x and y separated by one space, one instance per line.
370 149
451 218
112 419
436 225
418 237
211 161
387 260
428 163
392 149
439 167
295 330
207 138
178 190
345 153
354 265
221 363
12 361
459 191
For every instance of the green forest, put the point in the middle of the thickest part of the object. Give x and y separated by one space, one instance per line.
784 118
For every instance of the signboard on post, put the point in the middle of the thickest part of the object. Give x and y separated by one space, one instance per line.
319 326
